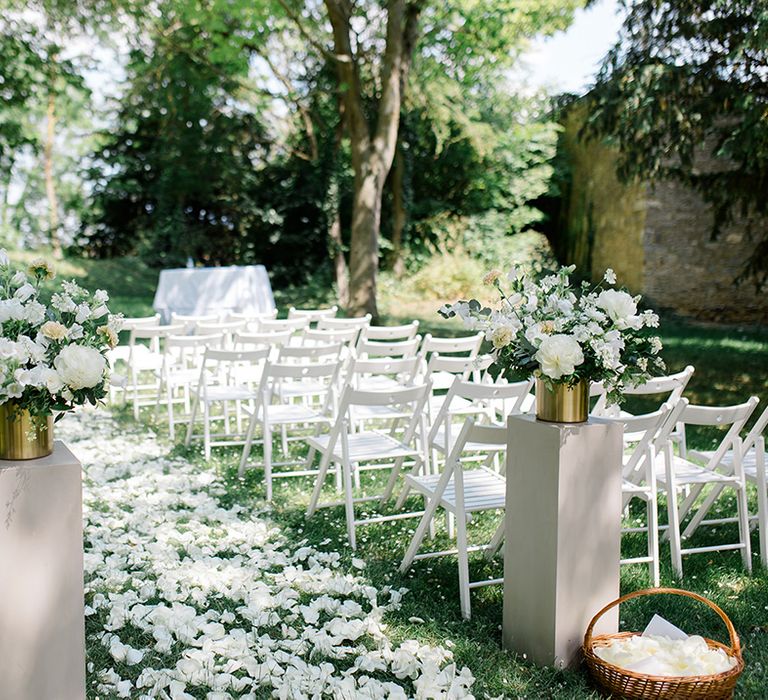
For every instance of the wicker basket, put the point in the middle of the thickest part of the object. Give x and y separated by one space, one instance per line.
622 683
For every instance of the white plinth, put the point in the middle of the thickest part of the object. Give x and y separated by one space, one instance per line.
42 631
562 538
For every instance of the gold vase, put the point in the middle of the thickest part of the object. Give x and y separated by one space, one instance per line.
564 403
23 436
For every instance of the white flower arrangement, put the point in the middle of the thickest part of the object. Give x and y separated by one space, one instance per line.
52 355
562 334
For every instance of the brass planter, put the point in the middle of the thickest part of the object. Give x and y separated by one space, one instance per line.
564 404
23 436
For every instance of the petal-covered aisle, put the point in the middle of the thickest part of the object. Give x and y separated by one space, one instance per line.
187 598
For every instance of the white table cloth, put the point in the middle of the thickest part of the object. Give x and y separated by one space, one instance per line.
205 290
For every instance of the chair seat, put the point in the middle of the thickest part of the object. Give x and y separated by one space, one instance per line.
229 393
438 442
293 413
749 461
367 445
686 472
484 489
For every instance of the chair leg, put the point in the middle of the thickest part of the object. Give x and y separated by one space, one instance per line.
496 541
206 431
762 512
349 506
418 536
284 440
450 524
248 444
653 539
321 472
702 511
268 459
744 531
192 417
171 422
674 531
463 558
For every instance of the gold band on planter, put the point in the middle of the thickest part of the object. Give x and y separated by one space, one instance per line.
23 436
564 404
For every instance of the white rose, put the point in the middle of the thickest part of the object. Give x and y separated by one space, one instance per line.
559 355
80 367
619 306
52 380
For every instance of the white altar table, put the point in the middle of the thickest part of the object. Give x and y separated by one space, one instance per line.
206 290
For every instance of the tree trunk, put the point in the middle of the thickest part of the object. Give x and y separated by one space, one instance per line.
373 146
50 183
397 265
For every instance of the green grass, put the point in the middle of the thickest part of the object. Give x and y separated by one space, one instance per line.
731 364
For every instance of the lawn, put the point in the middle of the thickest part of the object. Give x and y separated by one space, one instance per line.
731 364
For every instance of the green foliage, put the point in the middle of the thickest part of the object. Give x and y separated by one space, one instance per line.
686 81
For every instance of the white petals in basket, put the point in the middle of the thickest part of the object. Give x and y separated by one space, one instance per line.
661 656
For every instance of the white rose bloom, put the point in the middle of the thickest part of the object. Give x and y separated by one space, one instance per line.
619 306
559 355
52 380
24 292
80 367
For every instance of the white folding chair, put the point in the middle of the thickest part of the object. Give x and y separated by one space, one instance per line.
467 346
462 368
650 433
313 315
296 326
252 319
282 415
307 389
392 348
220 383
269 339
754 465
381 373
674 472
668 388
122 352
349 450
145 355
190 321
342 324
390 333
460 493
227 329
182 359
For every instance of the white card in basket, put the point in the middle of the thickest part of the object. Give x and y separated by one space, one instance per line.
659 627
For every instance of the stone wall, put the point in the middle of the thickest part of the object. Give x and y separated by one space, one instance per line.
657 239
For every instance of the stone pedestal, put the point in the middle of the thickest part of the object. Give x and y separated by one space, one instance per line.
562 538
42 628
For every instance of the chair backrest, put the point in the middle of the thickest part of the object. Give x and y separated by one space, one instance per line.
268 339
503 399
467 345
193 341
734 416
228 327
251 317
404 332
190 321
313 314
672 384
188 350
471 431
293 354
277 372
644 429
405 367
460 366
283 324
341 323
155 332
139 321
340 335
757 430
236 356
395 348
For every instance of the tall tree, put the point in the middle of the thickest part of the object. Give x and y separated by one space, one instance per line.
688 79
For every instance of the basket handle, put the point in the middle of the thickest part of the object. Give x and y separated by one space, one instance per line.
734 638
